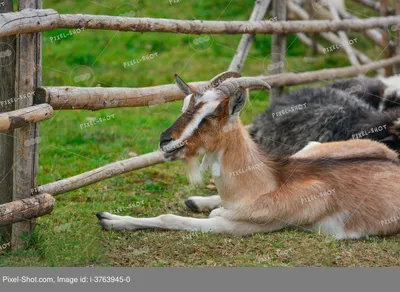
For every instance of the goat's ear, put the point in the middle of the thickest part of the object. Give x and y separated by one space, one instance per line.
183 86
237 102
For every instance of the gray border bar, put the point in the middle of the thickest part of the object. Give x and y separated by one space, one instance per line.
205 279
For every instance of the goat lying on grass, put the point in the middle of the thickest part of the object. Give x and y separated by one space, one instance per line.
343 189
324 115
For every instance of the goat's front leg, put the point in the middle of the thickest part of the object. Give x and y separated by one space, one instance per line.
200 204
173 222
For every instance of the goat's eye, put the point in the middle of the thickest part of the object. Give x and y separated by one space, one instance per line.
190 113
212 117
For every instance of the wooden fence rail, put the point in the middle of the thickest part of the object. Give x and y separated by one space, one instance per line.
22 117
31 20
101 173
25 209
95 98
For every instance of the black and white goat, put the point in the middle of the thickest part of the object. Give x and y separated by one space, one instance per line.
348 109
381 93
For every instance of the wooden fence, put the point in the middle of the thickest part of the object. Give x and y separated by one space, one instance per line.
22 200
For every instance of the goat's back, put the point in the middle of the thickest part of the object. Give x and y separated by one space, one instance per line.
327 114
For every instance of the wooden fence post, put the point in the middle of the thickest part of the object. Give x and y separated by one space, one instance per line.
386 37
278 46
7 94
29 57
259 11
314 47
397 41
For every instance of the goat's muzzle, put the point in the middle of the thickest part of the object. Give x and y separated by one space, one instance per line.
166 146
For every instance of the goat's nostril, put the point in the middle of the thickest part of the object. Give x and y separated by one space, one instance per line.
164 142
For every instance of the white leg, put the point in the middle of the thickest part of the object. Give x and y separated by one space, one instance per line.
306 150
200 204
173 222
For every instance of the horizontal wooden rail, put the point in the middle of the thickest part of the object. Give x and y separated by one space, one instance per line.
31 20
101 173
94 98
26 209
22 117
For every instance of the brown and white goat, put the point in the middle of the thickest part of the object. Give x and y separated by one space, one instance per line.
345 189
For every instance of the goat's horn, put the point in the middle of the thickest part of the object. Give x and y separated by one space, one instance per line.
217 80
229 87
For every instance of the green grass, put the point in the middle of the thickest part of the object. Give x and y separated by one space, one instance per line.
70 236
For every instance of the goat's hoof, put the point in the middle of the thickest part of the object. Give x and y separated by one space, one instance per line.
101 215
192 205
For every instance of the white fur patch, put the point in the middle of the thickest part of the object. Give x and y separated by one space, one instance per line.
193 171
205 163
216 165
333 225
207 109
392 81
212 161
186 102
306 150
208 96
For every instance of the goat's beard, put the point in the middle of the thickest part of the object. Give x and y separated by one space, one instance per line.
193 172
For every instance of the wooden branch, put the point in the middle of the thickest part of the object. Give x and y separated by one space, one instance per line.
219 27
260 8
311 10
373 34
29 21
94 98
278 50
22 117
310 43
327 74
397 46
343 38
296 9
26 209
329 36
28 78
101 98
101 173
373 5
386 38
7 91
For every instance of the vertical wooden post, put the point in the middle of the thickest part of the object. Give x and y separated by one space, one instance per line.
345 43
278 46
7 94
386 37
259 11
29 57
397 66
311 12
